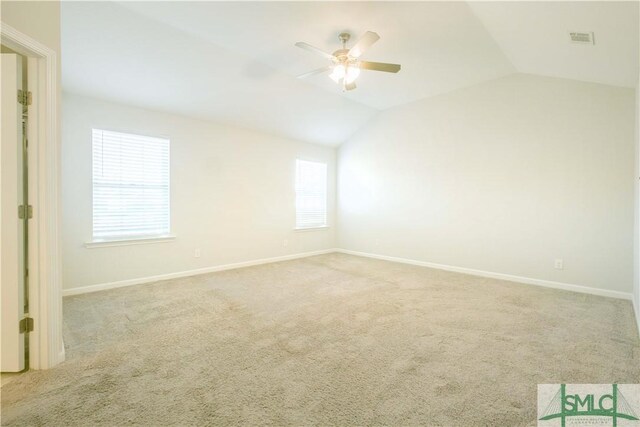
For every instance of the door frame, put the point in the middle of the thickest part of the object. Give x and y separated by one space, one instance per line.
46 348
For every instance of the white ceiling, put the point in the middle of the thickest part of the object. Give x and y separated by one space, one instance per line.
535 38
236 62
441 46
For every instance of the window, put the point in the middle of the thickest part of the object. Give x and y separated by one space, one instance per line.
130 186
311 194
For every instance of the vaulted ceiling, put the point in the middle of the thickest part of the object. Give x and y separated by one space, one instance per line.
235 62
535 38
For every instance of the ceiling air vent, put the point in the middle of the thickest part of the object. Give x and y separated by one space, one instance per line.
582 38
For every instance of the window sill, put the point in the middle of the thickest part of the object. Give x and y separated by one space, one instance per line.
322 227
127 242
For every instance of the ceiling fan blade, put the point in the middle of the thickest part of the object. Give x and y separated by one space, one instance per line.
308 47
379 66
349 86
314 72
363 44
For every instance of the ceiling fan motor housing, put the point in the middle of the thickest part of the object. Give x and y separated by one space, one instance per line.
341 54
344 38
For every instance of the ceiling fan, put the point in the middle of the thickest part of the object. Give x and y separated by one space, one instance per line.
345 64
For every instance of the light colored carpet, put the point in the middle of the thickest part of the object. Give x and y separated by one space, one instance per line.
328 340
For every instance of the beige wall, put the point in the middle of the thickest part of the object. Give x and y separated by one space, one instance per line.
232 195
37 19
504 176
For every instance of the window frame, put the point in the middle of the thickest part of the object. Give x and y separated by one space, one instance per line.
123 240
324 226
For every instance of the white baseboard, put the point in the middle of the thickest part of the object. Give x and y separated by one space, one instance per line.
636 310
501 276
473 272
482 273
61 354
148 279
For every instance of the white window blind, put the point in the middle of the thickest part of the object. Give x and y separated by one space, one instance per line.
130 186
311 194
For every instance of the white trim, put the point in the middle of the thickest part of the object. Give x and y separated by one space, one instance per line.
500 276
131 241
62 353
46 348
317 228
636 311
149 279
470 271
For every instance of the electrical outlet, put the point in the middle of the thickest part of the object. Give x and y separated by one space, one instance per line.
196 253
285 243
558 264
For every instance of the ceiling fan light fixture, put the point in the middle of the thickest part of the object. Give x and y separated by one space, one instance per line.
349 73
345 63
338 73
353 71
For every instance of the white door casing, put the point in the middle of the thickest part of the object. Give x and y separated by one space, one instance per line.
46 348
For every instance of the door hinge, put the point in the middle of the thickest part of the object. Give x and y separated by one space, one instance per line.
24 97
25 208
26 325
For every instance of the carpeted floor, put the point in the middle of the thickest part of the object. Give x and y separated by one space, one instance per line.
328 340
